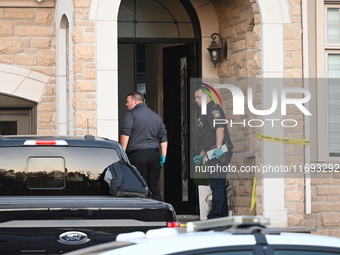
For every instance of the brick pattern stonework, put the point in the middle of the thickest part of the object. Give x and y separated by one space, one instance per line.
294 154
239 22
325 217
27 40
84 100
326 205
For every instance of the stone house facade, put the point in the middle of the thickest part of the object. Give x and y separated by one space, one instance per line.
61 58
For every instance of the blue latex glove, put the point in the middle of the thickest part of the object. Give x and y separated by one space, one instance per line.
162 160
218 153
198 159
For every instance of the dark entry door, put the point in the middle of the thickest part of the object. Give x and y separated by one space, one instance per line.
178 67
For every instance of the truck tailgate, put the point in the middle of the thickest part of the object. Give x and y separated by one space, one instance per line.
71 222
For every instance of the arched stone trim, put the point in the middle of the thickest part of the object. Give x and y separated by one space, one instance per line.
105 13
274 14
274 11
18 82
64 25
207 16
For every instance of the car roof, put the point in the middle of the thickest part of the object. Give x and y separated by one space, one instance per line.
182 242
159 244
303 239
167 240
202 240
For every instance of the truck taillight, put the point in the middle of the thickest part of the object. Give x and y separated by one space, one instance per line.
45 142
173 224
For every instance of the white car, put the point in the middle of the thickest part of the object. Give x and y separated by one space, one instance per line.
238 235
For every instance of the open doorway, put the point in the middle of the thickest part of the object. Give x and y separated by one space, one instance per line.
140 69
161 72
154 38
17 116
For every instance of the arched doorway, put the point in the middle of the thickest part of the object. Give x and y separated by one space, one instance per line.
18 101
158 51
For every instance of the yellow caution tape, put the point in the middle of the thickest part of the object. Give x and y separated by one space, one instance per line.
282 139
253 196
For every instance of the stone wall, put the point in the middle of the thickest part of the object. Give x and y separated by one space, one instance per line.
325 205
239 22
294 154
27 40
324 218
84 101
325 202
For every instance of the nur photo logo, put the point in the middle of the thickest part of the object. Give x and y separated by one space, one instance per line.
239 99
280 101
206 91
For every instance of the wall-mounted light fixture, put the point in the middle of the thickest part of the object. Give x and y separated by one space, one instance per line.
215 51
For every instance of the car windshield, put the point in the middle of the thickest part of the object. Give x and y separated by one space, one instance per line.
54 170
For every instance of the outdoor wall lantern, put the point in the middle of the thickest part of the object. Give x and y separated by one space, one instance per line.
215 51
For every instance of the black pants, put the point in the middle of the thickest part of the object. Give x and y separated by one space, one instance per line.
218 185
147 163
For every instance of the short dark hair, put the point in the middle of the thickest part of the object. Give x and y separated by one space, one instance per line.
202 88
137 96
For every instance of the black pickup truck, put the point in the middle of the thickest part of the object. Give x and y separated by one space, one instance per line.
54 199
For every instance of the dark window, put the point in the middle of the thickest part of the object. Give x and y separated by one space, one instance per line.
46 173
154 19
54 170
8 128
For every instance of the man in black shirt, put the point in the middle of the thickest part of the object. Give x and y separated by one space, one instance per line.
140 136
213 135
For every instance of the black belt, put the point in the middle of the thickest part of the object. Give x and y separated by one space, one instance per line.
134 151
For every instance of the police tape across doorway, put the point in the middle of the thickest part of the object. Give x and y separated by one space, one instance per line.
283 139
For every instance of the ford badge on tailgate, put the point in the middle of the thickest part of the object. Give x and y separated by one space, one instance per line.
73 238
